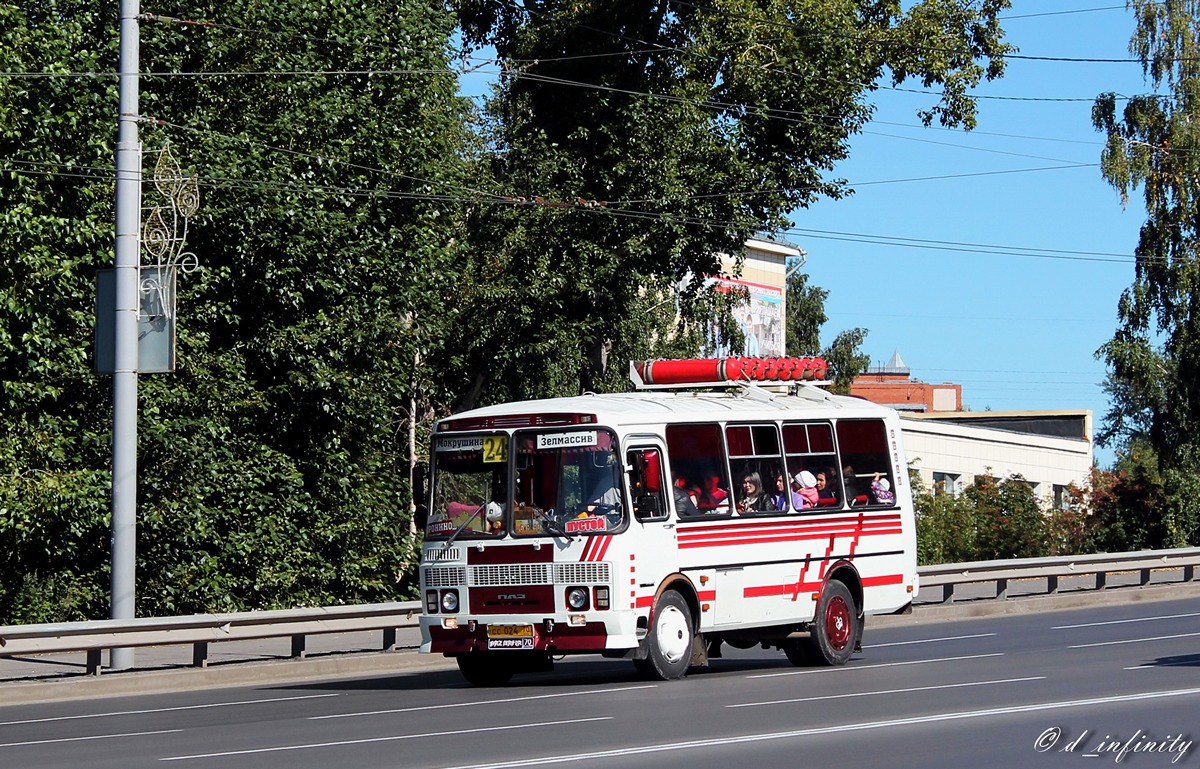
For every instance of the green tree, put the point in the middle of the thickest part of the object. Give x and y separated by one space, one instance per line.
1154 356
1008 521
638 141
945 524
55 222
274 463
805 314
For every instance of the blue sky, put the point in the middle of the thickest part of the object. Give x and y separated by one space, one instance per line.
1018 332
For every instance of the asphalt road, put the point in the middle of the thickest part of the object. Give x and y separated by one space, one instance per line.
1114 684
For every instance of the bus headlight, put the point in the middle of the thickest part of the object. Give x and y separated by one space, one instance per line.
450 601
577 598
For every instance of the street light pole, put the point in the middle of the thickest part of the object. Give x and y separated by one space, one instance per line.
125 342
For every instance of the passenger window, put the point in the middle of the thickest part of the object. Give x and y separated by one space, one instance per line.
866 463
757 464
698 466
809 455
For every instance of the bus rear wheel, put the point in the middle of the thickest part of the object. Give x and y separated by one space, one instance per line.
485 669
669 642
837 626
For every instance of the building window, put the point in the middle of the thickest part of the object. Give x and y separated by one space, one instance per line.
947 483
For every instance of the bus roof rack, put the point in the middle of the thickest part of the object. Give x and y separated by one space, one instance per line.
743 372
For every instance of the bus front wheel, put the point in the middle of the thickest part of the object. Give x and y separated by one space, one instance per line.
669 642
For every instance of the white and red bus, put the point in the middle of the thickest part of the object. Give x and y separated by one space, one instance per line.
652 525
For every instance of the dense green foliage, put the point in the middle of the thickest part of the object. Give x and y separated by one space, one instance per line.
273 465
374 254
1154 356
1116 511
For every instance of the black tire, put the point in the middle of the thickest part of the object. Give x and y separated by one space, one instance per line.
669 642
801 652
836 627
485 669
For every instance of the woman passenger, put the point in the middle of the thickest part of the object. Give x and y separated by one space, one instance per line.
753 499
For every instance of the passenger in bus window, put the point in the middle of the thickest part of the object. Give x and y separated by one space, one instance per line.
779 499
754 499
881 489
826 491
685 503
855 492
804 490
714 498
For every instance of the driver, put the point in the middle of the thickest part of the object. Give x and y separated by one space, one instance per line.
605 494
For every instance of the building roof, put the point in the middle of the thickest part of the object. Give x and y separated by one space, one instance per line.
1063 423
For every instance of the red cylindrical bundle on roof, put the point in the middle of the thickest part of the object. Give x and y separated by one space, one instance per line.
682 371
700 371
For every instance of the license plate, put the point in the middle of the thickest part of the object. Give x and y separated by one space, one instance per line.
510 631
510 637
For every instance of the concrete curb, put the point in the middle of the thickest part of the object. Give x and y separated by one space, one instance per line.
408 661
252 673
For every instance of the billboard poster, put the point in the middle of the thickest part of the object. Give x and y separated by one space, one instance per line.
760 318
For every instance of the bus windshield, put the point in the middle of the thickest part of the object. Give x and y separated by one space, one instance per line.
470 486
567 483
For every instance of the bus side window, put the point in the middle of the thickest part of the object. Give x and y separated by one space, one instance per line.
646 483
755 458
698 461
866 464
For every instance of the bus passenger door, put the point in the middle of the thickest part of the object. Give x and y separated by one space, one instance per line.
651 535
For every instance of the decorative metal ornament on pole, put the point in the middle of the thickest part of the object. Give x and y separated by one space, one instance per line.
125 334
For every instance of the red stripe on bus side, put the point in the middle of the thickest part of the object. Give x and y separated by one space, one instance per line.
885 579
800 586
780 537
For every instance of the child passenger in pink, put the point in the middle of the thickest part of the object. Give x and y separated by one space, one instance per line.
804 484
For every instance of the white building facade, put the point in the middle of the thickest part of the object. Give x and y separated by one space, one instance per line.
1049 449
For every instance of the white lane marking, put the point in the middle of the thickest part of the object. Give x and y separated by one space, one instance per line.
390 738
81 739
164 710
1134 640
868 725
1124 621
880 665
889 691
481 702
931 640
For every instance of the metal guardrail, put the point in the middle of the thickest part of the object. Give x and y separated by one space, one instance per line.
199 630
1098 565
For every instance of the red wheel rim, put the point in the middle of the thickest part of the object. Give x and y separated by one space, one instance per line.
837 623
